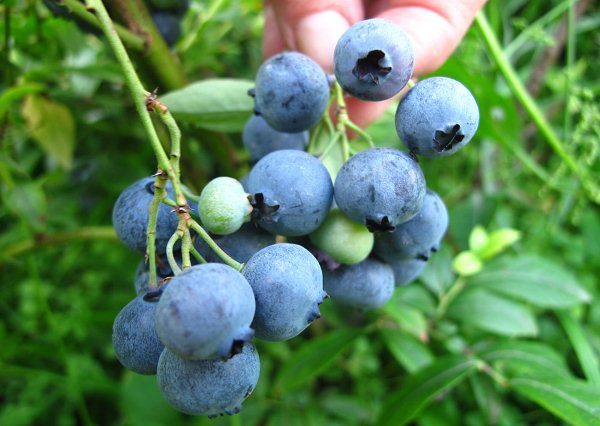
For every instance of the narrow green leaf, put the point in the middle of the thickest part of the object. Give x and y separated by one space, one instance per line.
312 358
497 242
522 355
480 308
583 348
52 126
217 104
421 388
533 279
573 401
408 318
409 351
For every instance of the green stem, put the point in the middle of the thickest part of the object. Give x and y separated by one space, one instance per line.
186 246
189 195
175 138
569 71
158 57
585 353
197 254
138 94
159 193
132 40
520 92
333 142
43 240
447 298
214 247
170 256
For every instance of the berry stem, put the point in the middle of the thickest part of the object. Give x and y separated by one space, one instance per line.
159 194
447 298
185 249
197 254
170 256
214 247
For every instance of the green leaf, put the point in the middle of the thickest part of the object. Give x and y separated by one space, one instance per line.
221 105
573 401
467 263
478 238
497 242
533 279
421 388
142 403
409 351
522 355
312 358
28 201
52 126
407 318
484 310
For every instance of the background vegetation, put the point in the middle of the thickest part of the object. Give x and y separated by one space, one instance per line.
516 343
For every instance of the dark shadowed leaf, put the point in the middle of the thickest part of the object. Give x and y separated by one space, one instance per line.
533 279
218 104
419 389
313 357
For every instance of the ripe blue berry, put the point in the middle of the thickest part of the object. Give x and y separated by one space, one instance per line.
373 60
130 216
418 237
292 192
134 338
291 92
240 245
168 25
366 285
261 139
224 206
288 286
437 117
208 387
205 312
406 271
380 188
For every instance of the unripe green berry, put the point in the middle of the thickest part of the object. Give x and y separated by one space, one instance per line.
343 239
224 206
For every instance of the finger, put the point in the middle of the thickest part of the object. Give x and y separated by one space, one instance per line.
435 27
309 26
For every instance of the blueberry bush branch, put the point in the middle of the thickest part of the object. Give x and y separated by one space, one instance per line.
145 101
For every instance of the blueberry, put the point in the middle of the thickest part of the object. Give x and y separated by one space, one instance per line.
240 245
291 92
208 387
343 239
288 287
380 188
292 192
406 271
437 117
130 216
373 60
261 139
141 279
168 25
418 237
205 312
134 338
366 285
224 206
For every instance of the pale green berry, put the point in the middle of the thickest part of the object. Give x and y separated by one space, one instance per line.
343 239
224 206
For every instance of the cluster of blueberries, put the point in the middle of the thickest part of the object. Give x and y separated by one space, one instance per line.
353 239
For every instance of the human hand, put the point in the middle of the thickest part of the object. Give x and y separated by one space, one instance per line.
313 27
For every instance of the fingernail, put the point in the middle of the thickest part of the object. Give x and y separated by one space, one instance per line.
317 35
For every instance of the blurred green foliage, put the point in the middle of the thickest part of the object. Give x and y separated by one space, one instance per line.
516 343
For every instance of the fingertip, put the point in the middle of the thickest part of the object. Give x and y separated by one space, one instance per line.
317 35
273 41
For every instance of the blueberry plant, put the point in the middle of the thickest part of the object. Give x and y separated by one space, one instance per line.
309 270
